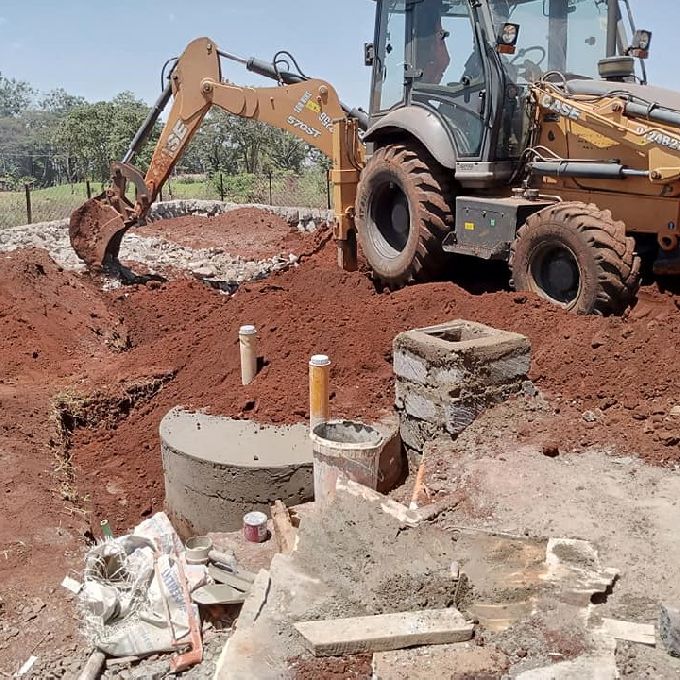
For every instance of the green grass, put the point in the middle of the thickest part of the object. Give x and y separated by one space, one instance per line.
56 203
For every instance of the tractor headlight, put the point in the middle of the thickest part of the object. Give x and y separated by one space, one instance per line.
641 43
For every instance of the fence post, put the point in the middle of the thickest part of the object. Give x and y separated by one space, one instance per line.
29 212
328 188
221 188
271 193
88 189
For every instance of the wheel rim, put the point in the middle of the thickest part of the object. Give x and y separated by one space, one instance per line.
390 214
556 275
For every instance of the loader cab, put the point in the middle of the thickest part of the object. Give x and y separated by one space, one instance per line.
439 76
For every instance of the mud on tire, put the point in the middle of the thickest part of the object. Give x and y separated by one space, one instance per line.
578 256
403 214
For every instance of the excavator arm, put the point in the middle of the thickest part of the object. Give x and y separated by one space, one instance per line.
308 108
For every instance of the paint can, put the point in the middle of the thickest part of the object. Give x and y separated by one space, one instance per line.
255 527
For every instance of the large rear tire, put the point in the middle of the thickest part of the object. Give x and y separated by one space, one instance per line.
402 214
578 257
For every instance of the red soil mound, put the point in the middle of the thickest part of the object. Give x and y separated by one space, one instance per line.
52 321
249 232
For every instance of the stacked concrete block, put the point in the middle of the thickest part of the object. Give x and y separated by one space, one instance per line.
447 375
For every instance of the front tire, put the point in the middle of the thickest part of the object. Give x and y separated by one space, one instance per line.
402 214
578 257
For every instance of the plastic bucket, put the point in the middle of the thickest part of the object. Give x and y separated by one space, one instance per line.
347 448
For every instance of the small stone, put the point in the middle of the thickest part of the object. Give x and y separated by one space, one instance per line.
589 416
205 272
529 389
551 449
521 652
675 412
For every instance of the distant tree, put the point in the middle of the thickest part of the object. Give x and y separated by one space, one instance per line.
212 150
233 144
15 96
60 102
285 151
98 133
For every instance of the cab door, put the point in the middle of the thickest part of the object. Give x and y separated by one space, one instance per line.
447 73
390 66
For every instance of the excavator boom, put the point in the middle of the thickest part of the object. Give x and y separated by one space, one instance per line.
308 108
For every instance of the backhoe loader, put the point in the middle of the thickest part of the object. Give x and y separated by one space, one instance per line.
513 130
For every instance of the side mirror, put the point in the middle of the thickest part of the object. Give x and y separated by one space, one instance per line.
369 54
506 41
641 42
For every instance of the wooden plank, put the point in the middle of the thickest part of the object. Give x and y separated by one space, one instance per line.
384 632
286 535
400 512
633 632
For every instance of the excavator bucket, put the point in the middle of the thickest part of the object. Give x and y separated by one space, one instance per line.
96 230
98 226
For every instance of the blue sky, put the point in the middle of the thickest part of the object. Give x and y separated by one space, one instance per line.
97 49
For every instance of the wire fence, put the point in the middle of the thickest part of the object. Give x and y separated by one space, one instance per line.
311 189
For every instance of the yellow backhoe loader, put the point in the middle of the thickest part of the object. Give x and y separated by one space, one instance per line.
515 130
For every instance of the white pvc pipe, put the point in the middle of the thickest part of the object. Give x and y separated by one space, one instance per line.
247 337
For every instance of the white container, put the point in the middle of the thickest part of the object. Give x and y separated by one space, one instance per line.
198 548
344 448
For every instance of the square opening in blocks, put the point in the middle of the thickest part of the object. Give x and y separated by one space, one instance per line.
455 333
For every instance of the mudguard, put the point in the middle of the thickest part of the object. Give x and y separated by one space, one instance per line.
421 124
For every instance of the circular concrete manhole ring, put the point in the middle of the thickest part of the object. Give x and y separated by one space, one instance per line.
218 469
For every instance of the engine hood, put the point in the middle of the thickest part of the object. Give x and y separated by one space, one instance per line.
667 99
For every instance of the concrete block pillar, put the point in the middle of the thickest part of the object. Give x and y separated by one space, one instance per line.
447 375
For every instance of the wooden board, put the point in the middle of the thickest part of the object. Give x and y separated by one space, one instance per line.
633 632
384 632
286 535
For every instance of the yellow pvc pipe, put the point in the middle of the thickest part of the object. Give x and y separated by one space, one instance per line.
319 388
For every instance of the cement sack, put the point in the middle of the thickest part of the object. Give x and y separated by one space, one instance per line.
132 599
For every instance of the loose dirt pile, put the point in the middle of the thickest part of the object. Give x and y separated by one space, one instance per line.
248 232
52 321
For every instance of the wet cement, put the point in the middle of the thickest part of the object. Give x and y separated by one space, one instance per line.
218 469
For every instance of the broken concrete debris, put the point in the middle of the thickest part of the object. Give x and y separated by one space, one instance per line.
447 375
669 628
